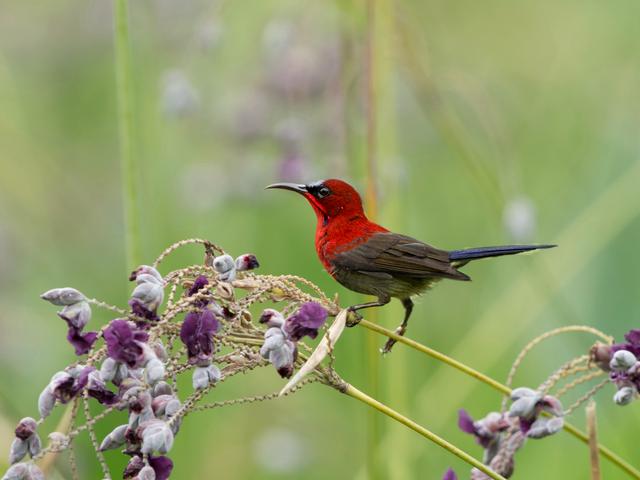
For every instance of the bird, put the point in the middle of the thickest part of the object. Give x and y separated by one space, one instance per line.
367 258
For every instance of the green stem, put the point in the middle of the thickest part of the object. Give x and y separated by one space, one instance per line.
372 402
374 469
125 124
604 451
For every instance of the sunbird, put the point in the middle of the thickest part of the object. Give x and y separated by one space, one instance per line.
367 258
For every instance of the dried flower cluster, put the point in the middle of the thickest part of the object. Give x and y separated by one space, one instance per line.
132 363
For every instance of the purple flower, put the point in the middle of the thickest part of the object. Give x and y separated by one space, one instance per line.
198 284
162 466
306 321
633 343
96 388
67 385
81 342
124 343
140 310
450 475
485 430
196 333
528 404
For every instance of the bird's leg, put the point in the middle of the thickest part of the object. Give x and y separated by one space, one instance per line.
353 317
408 307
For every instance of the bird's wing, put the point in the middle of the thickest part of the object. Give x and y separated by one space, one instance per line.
393 254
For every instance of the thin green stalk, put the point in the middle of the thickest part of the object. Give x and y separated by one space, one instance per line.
372 402
125 123
604 451
374 435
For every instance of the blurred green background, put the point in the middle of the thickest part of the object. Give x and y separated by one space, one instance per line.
497 122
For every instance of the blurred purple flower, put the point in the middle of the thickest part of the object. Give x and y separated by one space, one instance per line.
450 475
162 466
65 385
97 389
306 321
124 343
633 343
485 430
197 334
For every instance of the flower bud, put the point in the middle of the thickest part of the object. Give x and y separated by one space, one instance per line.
226 267
524 407
156 437
133 467
76 315
200 378
46 402
172 407
214 373
248 261
272 318
622 361
35 445
154 371
19 471
161 388
147 473
26 427
108 369
624 396
149 294
114 439
146 270
520 392
160 351
543 427
63 296
18 450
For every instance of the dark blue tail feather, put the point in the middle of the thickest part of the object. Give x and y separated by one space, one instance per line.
484 252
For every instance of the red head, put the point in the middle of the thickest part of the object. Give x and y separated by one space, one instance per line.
329 198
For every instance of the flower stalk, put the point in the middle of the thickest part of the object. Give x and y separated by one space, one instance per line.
381 407
128 166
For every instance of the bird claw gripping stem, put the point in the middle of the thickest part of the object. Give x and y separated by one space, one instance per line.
353 317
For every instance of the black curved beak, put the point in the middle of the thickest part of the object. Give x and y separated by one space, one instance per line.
294 187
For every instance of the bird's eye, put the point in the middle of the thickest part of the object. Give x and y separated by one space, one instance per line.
323 192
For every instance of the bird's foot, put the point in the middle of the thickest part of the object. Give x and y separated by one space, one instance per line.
353 318
391 342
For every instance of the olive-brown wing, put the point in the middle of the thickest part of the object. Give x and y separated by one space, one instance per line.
398 255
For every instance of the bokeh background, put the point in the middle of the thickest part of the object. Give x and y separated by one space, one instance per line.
494 122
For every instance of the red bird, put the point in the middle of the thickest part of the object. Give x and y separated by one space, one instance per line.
367 258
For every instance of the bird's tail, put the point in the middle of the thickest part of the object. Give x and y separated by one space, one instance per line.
466 255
